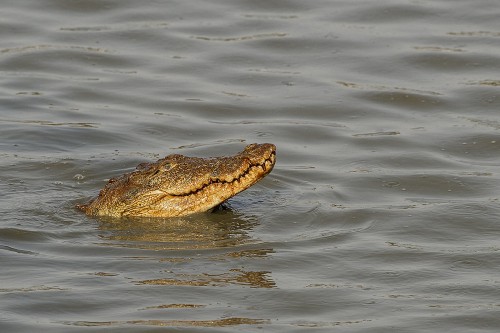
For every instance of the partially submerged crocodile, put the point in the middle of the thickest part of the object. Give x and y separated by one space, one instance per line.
178 185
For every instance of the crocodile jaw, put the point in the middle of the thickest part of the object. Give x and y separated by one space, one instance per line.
178 185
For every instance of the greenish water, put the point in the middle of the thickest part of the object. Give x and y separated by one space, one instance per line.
382 213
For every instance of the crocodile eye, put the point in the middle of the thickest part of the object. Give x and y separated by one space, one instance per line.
167 166
162 168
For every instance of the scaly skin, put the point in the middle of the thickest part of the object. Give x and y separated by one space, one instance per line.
178 185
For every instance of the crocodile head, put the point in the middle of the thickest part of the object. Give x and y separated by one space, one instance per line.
178 185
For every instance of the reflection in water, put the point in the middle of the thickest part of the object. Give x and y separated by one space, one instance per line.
251 253
220 230
234 276
173 323
200 231
175 306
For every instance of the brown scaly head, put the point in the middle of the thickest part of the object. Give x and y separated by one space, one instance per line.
178 185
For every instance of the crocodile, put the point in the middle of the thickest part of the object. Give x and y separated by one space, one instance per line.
178 185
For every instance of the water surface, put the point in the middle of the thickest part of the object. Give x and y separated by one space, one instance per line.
381 213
